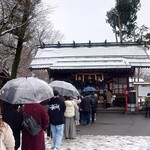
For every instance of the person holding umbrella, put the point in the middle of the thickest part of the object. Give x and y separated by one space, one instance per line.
29 91
14 118
48 130
39 112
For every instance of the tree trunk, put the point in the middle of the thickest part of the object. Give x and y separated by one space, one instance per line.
17 58
120 29
116 35
21 35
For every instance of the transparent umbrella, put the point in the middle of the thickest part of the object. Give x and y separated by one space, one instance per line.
25 90
64 88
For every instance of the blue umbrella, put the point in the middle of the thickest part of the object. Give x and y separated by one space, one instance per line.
89 89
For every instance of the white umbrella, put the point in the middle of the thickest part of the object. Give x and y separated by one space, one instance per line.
25 90
64 88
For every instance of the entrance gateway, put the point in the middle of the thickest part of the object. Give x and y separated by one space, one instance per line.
104 66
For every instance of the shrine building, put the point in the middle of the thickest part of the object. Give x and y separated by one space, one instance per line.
104 66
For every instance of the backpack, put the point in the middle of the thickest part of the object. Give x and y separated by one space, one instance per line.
30 123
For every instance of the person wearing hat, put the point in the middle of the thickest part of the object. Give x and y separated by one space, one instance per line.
7 141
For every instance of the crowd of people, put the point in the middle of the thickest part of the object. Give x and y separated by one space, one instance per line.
58 116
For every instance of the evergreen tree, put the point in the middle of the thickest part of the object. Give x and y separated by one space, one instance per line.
122 18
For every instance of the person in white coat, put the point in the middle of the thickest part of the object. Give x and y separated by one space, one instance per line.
7 141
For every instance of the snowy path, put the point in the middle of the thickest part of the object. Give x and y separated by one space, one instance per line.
90 142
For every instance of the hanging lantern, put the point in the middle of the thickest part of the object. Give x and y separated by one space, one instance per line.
89 77
100 78
83 78
79 78
95 77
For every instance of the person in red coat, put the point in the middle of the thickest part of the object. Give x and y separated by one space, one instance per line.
36 142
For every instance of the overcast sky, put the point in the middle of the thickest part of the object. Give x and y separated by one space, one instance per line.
84 20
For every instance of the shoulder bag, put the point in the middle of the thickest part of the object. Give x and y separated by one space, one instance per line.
31 124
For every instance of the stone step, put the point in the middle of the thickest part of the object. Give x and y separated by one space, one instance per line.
111 110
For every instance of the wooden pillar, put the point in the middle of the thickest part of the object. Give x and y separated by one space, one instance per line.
136 86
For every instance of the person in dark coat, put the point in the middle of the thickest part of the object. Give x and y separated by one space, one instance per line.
80 112
14 119
94 103
48 130
56 113
85 106
36 142
147 105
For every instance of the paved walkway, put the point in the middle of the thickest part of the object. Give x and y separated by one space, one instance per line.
117 124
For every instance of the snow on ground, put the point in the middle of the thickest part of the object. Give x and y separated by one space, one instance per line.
101 142
89 142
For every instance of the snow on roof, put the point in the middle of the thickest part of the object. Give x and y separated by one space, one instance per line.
91 57
140 80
